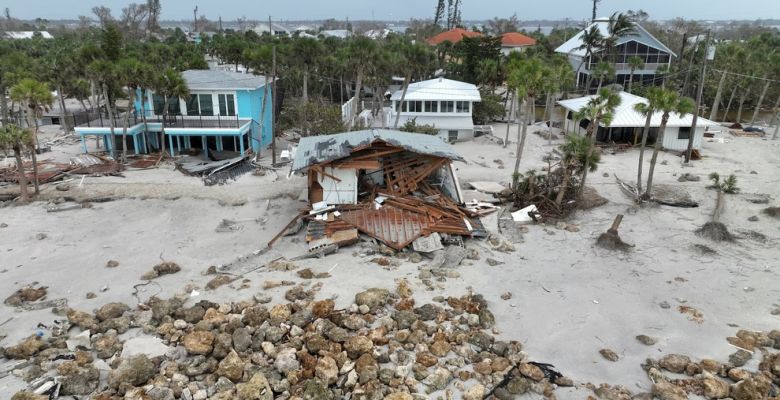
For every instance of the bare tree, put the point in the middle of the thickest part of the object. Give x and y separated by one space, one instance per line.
153 21
103 14
243 24
498 26
439 16
133 17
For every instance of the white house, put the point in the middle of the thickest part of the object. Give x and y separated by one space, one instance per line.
444 103
627 124
278 30
16 35
643 45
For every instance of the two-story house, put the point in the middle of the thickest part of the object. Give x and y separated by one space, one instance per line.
444 103
642 44
223 112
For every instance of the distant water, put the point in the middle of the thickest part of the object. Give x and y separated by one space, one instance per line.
544 29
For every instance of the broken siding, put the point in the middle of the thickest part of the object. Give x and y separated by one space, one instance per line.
343 189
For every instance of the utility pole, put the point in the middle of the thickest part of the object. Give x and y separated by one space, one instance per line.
273 108
698 98
270 29
195 20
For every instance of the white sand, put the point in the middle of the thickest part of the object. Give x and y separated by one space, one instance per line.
570 298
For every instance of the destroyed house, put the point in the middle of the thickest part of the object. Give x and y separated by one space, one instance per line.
393 186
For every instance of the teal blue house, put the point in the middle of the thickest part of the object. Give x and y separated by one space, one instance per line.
223 113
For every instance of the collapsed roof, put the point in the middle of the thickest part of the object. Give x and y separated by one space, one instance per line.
318 149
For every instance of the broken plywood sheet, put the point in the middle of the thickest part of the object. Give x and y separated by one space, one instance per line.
393 226
522 216
487 187
428 244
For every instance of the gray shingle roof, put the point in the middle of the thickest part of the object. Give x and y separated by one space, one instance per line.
209 79
317 149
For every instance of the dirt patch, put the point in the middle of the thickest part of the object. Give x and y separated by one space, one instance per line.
773 212
591 199
26 295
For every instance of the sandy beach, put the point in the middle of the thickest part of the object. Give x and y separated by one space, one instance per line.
569 300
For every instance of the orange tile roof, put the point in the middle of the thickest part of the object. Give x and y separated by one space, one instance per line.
515 39
452 35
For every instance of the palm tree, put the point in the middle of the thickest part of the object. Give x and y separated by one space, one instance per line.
575 159
360 52
415 58
667 102
634 63
306 53
16 140
132 72
592 40
529 77
104 73
170 84
38 98
599 110
648 110
618 26
602 71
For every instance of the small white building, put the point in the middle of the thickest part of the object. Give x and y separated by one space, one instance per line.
17 35
444 103
627 124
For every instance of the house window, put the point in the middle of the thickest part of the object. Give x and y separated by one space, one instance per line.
206 104
684 133
452 136
200 104
414 106
227 106
431 106
192 105
462 106
159 103
447 106
174 108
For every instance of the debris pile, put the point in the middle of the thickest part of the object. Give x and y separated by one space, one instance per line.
393 186
383 346
217 171
49 171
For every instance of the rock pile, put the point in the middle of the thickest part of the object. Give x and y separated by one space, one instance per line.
709 378
383 346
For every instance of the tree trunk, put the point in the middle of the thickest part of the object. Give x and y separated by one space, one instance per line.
728 106
645 133
774 120
33 124
305 83
3 105
661 131
760 101
341 88
407 79
548 116
143 112
262 118
112 123
356 104
162 130
22 177
592 130
512 95
601 81
127 123
564 186
741 103
523 134
718 94
63 110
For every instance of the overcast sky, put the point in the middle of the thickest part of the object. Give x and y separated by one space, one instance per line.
405 9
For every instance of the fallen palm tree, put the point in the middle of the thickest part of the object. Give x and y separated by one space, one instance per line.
667 196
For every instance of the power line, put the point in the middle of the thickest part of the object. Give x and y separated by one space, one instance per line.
746 76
